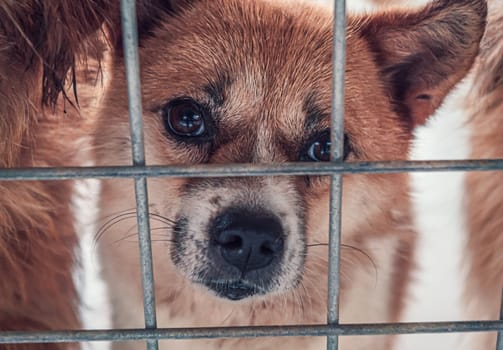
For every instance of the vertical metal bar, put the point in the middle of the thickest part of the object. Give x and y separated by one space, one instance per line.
499 342
337 155
132 61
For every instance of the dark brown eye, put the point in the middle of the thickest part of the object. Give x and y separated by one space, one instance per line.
318 150
185 118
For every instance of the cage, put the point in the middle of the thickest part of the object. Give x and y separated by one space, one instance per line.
335 169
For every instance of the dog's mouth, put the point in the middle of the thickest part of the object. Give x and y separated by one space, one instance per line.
242 255
234 290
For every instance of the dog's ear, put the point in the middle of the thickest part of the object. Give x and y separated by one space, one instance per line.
422 55
49 34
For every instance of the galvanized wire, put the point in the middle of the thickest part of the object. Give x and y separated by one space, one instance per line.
250 332
132 63
240 170
337 157
335 169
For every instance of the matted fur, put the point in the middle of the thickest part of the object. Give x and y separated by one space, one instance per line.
38 46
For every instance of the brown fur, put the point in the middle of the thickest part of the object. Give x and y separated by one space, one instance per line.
484 195
267 94
36 227
268 69
418 86
36 249
484 189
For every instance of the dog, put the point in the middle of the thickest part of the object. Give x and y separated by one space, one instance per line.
457 214
37 235
456 226
249 82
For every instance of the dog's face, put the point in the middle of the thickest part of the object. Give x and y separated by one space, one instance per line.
250 82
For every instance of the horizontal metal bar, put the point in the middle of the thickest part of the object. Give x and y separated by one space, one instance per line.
249 332
240 170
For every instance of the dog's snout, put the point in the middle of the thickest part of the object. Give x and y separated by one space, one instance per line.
248 241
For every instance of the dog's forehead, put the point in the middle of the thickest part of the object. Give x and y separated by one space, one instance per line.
263 62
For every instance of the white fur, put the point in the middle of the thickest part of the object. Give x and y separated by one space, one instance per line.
410 3
435 293
94 303
367 6
354 6
359 6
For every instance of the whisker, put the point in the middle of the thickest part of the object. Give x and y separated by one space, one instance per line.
162 218
359 250
134 234
126 216
364 253
106 226
226 318
317 245
163 240
160 228
129 210
117 214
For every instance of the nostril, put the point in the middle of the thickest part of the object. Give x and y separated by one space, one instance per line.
266 250
271 248
230 241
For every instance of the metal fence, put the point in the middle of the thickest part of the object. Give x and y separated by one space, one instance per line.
336 168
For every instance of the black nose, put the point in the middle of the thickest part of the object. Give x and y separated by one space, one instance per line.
246 240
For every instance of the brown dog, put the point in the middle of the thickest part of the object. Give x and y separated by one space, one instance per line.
37 239
239 81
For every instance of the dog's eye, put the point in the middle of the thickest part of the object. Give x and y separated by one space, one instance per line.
318 150
185 118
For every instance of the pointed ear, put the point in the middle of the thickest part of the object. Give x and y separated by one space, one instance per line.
422 55
50 34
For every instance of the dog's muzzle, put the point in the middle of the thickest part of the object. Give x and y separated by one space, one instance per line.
246 248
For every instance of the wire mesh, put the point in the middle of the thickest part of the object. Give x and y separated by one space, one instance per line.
139 172
132 61
250 332
337 157
239 170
